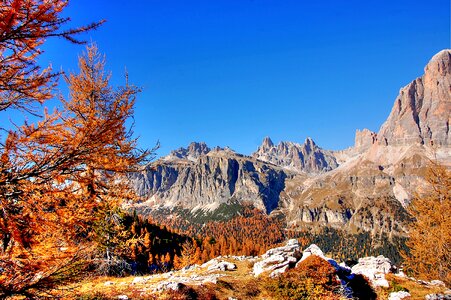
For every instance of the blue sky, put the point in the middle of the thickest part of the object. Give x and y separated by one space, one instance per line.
232 72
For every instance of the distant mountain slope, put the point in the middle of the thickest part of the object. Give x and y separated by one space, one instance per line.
217 177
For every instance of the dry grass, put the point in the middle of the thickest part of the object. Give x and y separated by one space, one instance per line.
239 284
417 290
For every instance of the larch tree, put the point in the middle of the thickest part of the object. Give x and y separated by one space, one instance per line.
58 176
430 233
24 27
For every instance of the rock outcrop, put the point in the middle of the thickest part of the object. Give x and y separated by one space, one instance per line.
399 295
374 268
278 260
421 113
364 139
307 157
193 152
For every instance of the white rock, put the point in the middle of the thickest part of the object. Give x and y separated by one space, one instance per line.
312 250
374 268
437 283
172 285
222 266
122 297
108 283
398 295
278 260
139 280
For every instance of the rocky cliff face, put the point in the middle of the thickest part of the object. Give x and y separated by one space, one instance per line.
422 111
307 157
218 177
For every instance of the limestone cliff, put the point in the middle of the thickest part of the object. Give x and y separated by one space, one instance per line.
307 157
422 111
220 176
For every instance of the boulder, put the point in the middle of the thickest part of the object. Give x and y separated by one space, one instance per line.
139 280
278 260
374 268
169 285
399 295
222 266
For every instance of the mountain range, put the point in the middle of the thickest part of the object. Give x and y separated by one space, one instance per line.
366 187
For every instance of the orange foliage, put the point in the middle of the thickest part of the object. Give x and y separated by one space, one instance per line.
314 278
251 233
430 232
56 175
24 27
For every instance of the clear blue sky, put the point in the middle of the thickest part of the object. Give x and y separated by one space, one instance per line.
230 72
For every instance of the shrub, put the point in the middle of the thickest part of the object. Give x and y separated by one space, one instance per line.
314 278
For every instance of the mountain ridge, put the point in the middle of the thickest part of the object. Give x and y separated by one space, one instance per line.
365 187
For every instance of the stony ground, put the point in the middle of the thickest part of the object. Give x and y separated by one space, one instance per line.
234 277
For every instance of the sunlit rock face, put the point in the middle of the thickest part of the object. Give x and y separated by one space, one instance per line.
217 177
422 111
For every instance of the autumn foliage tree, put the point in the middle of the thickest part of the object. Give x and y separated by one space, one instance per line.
24 27
60 174
430 233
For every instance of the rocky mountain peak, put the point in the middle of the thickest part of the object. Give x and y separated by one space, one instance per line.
307 157
421 112
309 144
192 152
267 142
439 64
364 139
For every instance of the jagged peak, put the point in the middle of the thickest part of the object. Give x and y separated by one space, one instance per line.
267 142
198 146
193 151
309 142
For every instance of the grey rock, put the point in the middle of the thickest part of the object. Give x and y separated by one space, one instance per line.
169 285
278 260
214 179
222 266
194 151
307 157
398 295
374 268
